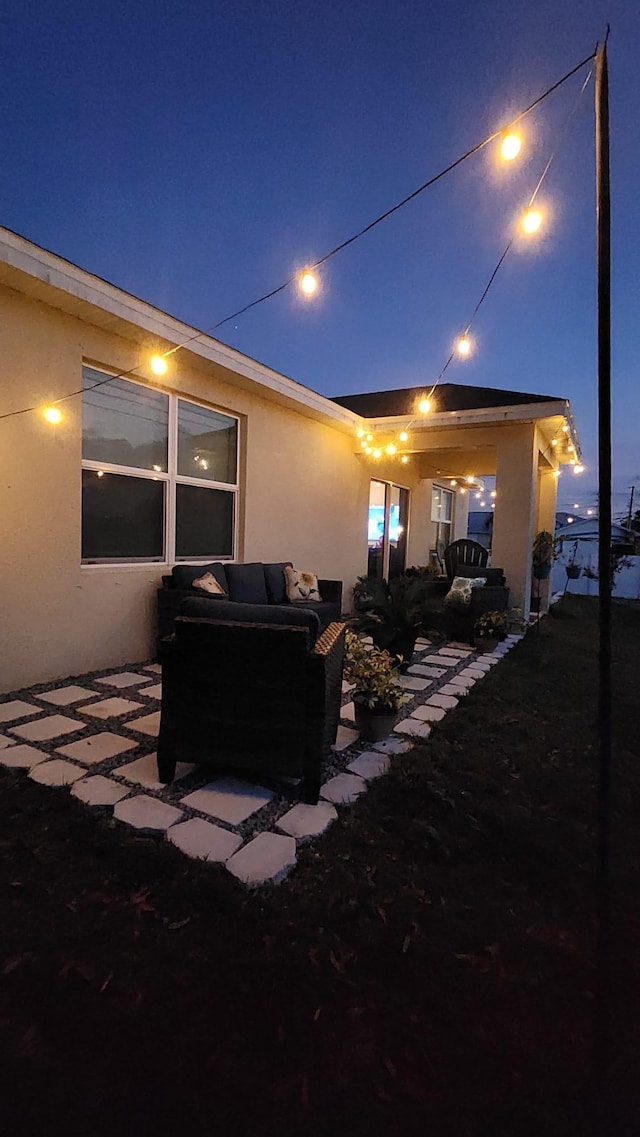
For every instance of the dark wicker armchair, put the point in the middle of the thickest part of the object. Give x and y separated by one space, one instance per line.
244 695
464 552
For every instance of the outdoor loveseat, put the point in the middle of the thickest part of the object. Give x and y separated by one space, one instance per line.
256 689
255 583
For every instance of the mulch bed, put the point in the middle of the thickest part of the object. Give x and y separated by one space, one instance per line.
427 968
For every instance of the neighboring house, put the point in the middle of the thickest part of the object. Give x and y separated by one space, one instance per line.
221 458
480 526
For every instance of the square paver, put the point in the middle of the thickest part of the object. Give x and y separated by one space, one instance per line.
144 771
203 840
22 757
347 686
98 790
429 714
64 696
414 728
265 860
147 813
414 683
427 669
459 683
348 713
153 692
307 821
472 673
122 679
393 746
448 702
17 709
345 738
47 728
371 764
446 660
56 773
343 788
5 742
109 708
148 724
96 748
229 800
457 652
452 689
154 667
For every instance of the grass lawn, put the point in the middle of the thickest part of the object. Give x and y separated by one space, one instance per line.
427 969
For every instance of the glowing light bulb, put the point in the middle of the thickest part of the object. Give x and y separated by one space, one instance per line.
463 346
368 450
308 283
100 474
158 469
391 448
589 513
570 447
510 148
532 221
404 459
569 520
424 406
554 441
556 473
360 433
158 364
377 453
369 438
483 503
578 469
565 429
493 493
52 415
575 505
453 482
462 489
478 495
470 480
364 444
403 436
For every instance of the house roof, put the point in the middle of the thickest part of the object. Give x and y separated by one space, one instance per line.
449 397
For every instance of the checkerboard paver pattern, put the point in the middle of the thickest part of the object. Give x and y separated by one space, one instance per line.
102 750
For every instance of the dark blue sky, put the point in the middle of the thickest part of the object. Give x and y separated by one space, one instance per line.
196 153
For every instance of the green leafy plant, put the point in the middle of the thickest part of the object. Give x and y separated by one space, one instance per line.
491 625
374 675
389 609
544 551
515 620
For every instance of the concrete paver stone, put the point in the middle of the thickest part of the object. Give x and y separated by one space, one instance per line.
371 764
47 728
414 728
56 773
122 679
97 748
203 840
305 821
265 860
147 813
98 790
393 745
64 696
22 757
343 788
345 738
144 771
108 708
228 799
17 709
448 702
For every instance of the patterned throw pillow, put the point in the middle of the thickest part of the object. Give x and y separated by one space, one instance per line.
301 585
208 583
461 590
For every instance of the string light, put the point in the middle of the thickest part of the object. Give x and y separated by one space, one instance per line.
404 459
532 221
403 436
360 433
463 346
391 449
364 445
308 283
52 415
424 406
556 473
369 438
554 441
158 364
377 453
578 469
100 474
510 148
493 493
462 489
470 480
453 482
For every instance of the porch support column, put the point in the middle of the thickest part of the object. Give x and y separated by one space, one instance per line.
515 512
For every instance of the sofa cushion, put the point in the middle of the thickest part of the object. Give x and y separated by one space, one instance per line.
301 585
247 584
208 583
287 615
493 576
184 575
275 581
325 609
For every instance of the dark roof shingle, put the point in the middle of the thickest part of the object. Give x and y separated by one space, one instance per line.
448 397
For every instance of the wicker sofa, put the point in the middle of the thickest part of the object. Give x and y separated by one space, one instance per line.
257 688
254 583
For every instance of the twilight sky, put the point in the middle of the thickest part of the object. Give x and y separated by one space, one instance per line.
197 153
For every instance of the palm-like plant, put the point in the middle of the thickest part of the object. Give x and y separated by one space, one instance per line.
392 612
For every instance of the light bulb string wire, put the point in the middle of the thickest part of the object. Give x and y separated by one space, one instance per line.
509 245
333 252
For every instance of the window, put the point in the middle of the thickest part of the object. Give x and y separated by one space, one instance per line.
387 529
159 475
442 515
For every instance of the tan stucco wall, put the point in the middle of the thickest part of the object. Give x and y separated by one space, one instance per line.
304 495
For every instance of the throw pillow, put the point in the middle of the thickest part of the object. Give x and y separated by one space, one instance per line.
301 585
208 583
461 590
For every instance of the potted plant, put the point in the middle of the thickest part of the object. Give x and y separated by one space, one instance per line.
489 630
392 613
377 696
573 570
543 554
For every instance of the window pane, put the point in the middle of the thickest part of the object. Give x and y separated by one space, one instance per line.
376 528
436 503
123 423
398 519
207 444
204 522
122 517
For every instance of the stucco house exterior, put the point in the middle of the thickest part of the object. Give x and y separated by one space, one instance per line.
220 458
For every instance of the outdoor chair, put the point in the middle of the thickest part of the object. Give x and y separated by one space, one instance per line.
256 689
464 552
468 558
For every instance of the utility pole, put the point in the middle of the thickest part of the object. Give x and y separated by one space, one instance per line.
603 256
633 490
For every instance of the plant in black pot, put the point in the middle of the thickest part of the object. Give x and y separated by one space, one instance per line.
392 613
377 696
543 554
489 630
573 569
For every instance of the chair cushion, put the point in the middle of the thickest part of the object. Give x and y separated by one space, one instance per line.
461 591
286 615
274 579
184 575
301 585
247 583
208 583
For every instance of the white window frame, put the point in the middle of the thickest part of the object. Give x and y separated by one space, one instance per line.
438 521
171 479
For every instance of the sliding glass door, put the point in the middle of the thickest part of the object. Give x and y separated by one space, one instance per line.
387 529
